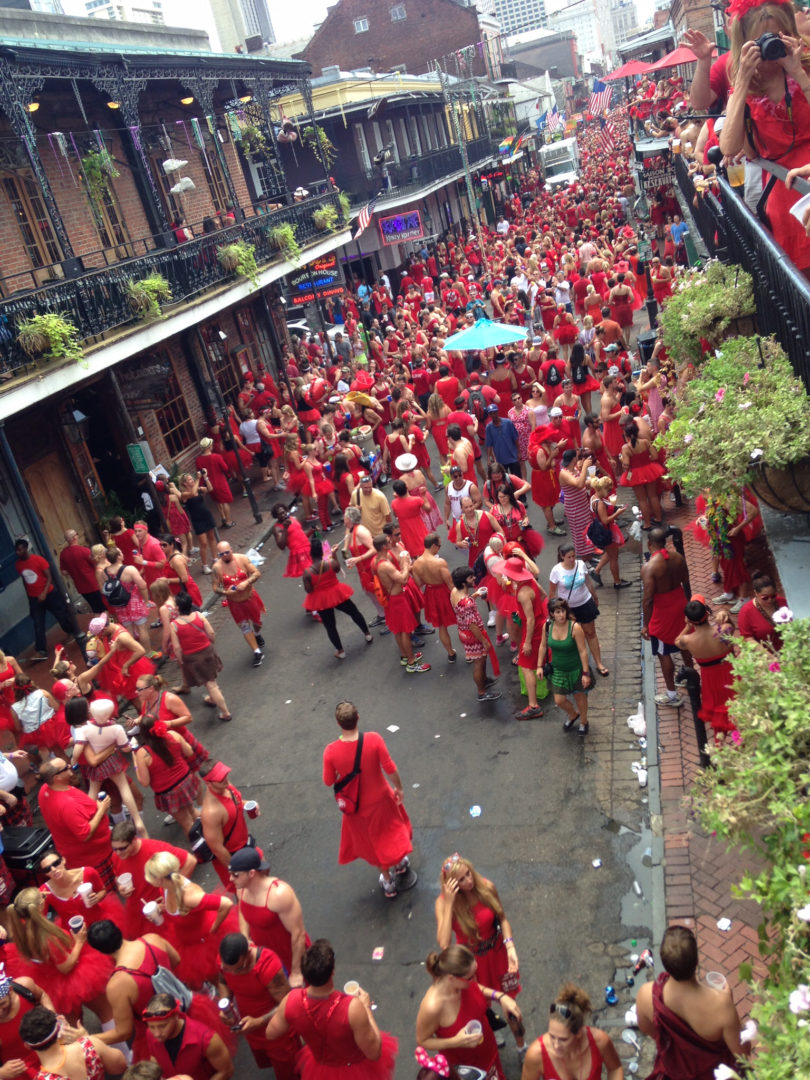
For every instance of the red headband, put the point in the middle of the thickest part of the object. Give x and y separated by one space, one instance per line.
150 1018
737 9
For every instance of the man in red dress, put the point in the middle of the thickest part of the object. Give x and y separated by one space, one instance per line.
433 574
234 576
392 575
379 830
663 604
130 854
223 819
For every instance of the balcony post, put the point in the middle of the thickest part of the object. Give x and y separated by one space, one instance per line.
14 96
205 99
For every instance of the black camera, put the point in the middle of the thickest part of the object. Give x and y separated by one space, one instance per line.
771 46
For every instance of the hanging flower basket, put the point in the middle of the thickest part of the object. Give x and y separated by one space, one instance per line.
786 490
51 337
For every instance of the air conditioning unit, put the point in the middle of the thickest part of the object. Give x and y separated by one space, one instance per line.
398 69
331 72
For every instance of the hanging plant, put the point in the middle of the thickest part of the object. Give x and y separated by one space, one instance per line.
240 259
703 308
345 206
325 218
314 137
99 169
282 238
51 337
146 296
253 140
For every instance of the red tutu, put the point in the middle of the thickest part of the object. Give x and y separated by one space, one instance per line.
87 980
587 387
438 609
531 541
198 947
567 333
328 596
299 558
638 475
381 1069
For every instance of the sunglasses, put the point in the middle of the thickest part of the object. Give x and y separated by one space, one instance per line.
53 865
121 847
560 1010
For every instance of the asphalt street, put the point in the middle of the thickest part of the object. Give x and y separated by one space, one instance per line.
543 798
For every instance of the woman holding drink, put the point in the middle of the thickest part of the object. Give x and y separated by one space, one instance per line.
75 894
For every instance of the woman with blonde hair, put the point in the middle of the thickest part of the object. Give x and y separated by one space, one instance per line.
468 906
570 1047
71 975
196 921
455 1000
768 114
605 512
299 481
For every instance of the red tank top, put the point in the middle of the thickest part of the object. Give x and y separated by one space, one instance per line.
473 1007
550 1073
192 635
163 777
12 1046
235 830
324 1025
266 928
153 958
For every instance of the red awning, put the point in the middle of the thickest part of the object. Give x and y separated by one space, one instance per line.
678 56
632 67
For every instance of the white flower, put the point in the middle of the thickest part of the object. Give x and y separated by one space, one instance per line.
800 999
723 1072
701 410
783 615
745 405
804 913
756 454
688 438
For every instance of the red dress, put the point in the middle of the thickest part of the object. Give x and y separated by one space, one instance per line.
484 1056
438 609
327 591
545 482
299 558
490 950
716 690
540 607
681 1051
250 992
364 568
642 470
380 831
108 908
266 928
331 1052
595 1071
438 429
217 469
12 1046
111 678
408 509
87 979
250 610
478 537
297 478
191 935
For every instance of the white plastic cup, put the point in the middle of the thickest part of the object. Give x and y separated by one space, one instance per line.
351 987
76 923
474 1028
84 891
124 881
642 777
482 592
591 470
151 912
716 980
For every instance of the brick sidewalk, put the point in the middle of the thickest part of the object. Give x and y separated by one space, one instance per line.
698 871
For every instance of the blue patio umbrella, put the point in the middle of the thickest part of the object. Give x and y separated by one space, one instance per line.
485 334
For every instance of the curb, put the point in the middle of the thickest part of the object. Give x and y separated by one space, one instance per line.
658 902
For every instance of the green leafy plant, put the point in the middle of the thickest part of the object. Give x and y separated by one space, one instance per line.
314 137
99 169
704 306
51 337
239 258
755 798
325 218
345 206
146 296
253 140
282 238
744 408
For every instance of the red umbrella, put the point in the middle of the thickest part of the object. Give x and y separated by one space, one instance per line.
632 67
678 56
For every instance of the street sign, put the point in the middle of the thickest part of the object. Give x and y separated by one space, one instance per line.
319 279
137 457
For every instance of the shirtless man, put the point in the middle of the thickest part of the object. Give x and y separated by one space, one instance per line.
358 545
130 985
663 603
234 578
695 1027
461 452
433 574
400 617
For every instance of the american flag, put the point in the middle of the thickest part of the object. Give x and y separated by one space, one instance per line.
553 120
606 135
364 218
600 98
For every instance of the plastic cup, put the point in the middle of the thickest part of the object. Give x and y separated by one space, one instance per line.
716 980
76 923
736 175
351 987
152 912
591 470
252 808
474 1028
84 891
124 881
676 146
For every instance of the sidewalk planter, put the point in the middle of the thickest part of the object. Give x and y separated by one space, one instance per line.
707 308
744 410
786 490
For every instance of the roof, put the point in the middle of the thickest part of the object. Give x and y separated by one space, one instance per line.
652 37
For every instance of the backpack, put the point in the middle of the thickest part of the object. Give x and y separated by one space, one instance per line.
114 590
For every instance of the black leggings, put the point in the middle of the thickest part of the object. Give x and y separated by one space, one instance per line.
328 619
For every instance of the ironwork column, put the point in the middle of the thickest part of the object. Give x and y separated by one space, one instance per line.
205 97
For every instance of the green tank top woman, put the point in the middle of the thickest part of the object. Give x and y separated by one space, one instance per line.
566 664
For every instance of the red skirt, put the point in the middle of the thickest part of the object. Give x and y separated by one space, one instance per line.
587 387
250 610
324 598
716 690
642 474
69 992
438 609
399 615
566 334
545 487
381 1069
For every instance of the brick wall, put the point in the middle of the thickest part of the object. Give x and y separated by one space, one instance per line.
431 29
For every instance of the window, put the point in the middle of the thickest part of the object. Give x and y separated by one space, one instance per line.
362 147
32 219
216 181
392 139
173 418
378 140
360 26
110 224
398 13
227 373
416 141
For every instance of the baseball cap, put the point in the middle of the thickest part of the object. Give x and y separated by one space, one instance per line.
248 858
492 408
556 411
217 773
612 348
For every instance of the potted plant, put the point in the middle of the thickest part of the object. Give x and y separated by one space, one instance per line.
50 336
345 206
704 306
755 799
239 258
98 169
146 296
325 218
744 409
282 238
315 139
253 140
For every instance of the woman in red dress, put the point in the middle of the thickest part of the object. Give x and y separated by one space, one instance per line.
456 998
543 459
708 640
69 973
468 906
178 576
755 620
162 763
343 480
606 512
609 413
289 536
473 530
570 1047
565 330
321 483
121 660
9 670
325 594
299 475
194 921
218 472
642 472
514 521
176 517
62 899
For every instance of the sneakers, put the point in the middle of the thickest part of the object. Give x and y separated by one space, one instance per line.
529 713
378 621
35 659
423 629
206 569
417 668
501 639
168 820
491 618
724 598
665 699
557 531
622 584
404 659
490 695
402 866
258 659
260 641
595 576
416 641
451 658
389 888
736 606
